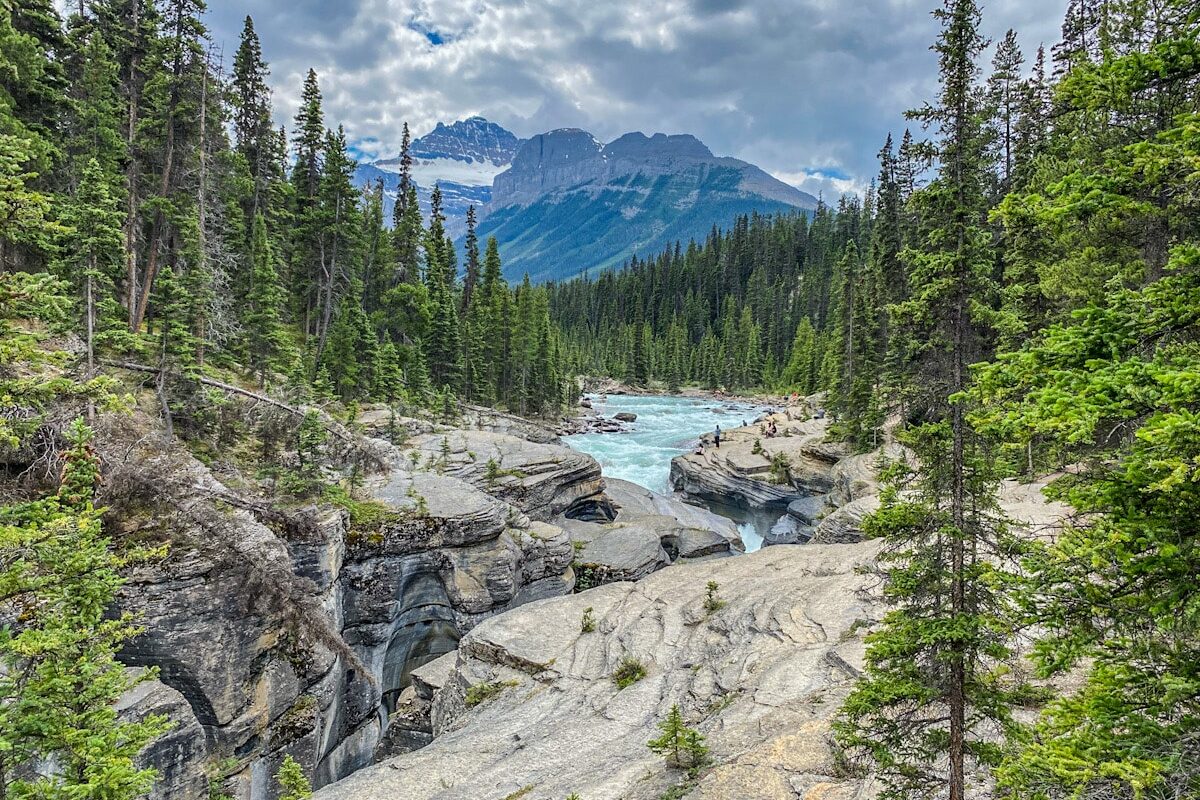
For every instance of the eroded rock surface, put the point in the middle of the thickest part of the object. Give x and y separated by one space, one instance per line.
540 479
297 631
635 531
761 678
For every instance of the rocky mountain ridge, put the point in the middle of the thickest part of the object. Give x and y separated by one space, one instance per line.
569 157
569 203
563 202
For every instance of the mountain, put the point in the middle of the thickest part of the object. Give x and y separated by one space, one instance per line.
463 158
569 203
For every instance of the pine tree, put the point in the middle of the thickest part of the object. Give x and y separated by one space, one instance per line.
251 100
1109 387
680 745
443 348
353 348
1004 97
171 129
471 247
293 784
938 647
336 228
61 677
800 373
95 122
389 376
407 232
92 261
309 139
267 343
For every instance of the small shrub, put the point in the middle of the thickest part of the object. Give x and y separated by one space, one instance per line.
585 577
681 746
292 781
628 672
781 469
757 449
678 791
713 601
588 623
482 692
491 472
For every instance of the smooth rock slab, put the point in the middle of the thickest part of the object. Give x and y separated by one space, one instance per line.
761 678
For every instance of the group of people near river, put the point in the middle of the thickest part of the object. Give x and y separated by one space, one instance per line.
770 430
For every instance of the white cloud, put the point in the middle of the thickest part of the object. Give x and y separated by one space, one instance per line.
786 84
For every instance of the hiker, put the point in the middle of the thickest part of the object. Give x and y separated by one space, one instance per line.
717 437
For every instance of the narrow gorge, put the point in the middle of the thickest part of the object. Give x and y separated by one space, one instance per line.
389 643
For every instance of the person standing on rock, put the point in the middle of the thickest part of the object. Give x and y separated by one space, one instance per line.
717 437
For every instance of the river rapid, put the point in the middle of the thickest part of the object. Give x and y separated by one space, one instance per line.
667 426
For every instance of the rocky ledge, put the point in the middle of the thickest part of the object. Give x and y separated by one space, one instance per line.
819 488
630 532
527 706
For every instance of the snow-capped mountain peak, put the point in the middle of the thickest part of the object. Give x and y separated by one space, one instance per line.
463 158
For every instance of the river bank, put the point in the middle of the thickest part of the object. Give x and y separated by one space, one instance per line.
661 428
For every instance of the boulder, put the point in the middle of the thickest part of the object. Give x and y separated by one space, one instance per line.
625 416
624 551
810 509
631 501
631 531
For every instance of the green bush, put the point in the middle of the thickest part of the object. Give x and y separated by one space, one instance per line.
713 601
482 692
628 672
293 783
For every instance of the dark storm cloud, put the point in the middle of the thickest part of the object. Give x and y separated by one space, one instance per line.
807 89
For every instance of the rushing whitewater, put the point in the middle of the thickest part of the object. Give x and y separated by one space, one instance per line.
666 426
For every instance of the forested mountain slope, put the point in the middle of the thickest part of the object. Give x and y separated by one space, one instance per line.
569 204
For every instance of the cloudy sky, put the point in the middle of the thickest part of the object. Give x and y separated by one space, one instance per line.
806 89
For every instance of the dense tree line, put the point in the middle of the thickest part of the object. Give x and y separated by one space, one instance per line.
1018 295
195 235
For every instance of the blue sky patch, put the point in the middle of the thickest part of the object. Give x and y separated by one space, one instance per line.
435 38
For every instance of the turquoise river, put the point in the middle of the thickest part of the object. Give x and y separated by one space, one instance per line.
666 426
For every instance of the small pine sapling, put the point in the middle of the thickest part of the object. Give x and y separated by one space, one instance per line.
681 746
